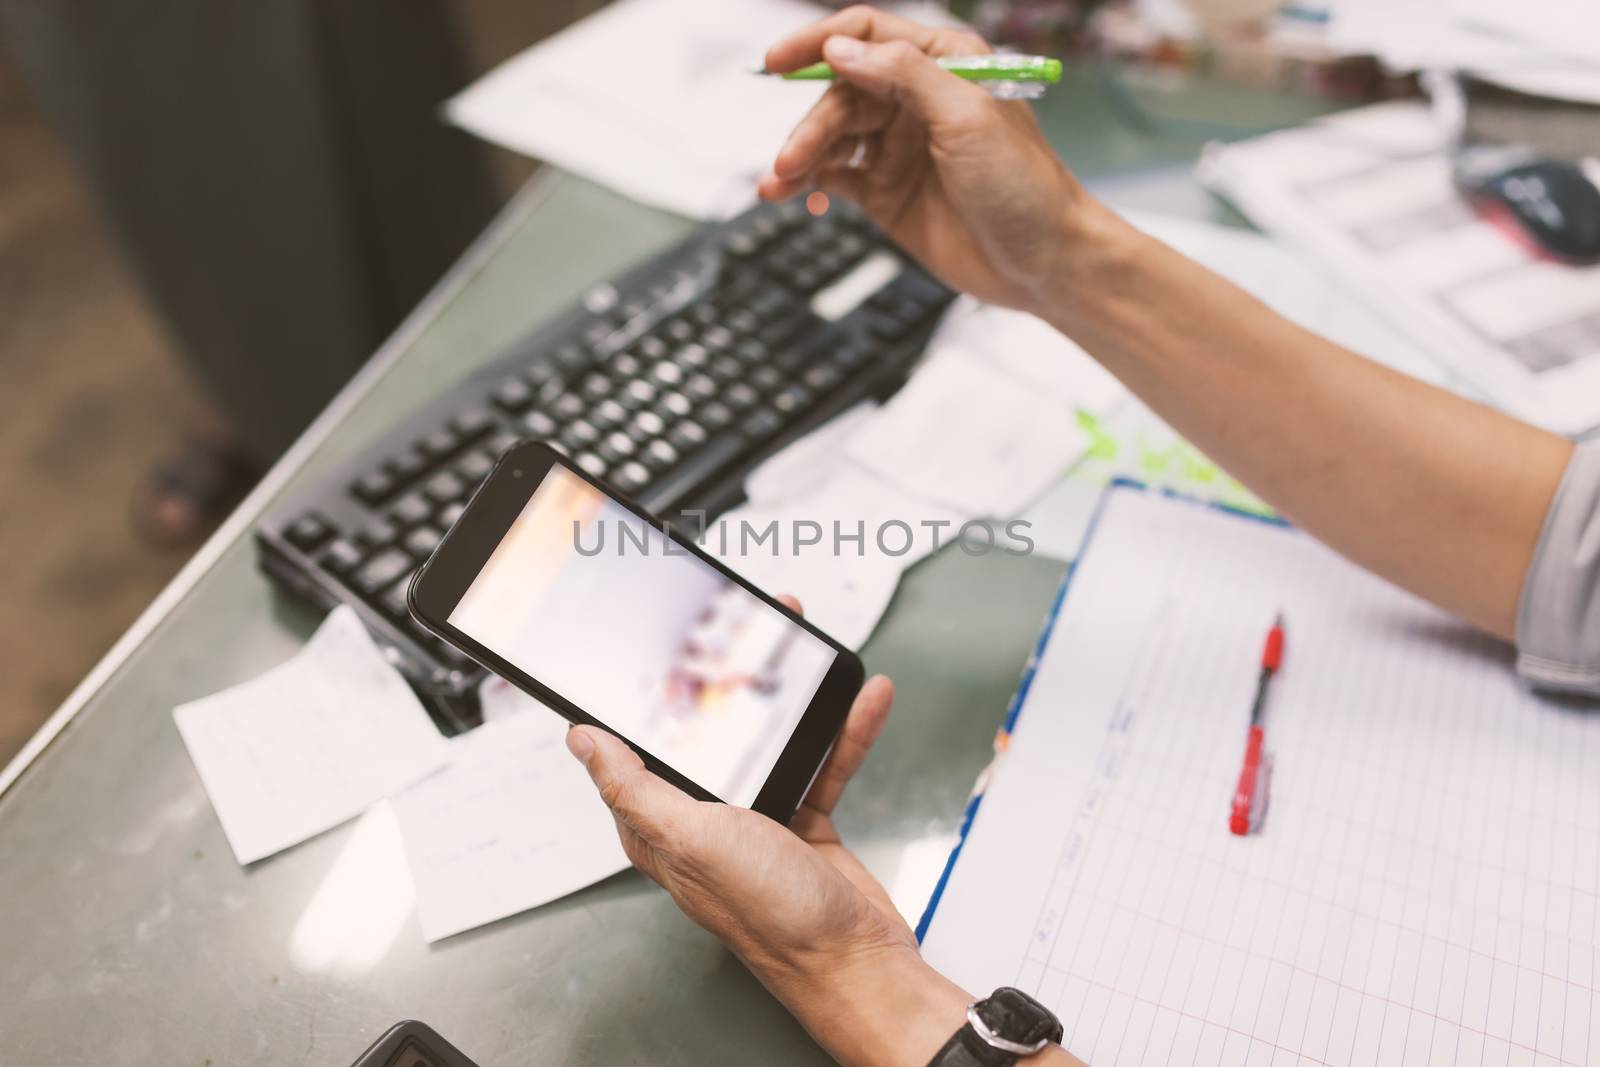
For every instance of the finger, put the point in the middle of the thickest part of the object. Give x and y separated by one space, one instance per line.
835 181
861 728
791 603
841 112
640 800
900 71
805 46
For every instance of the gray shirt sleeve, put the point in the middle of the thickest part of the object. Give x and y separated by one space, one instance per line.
1558 616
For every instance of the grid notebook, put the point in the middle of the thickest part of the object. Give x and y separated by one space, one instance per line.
1424 888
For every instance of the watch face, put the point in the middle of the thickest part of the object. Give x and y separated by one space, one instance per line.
1012 1014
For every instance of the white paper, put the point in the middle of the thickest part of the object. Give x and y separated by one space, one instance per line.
1029 351
311 743
656 99
1376 208
962 435
1422 890
512 823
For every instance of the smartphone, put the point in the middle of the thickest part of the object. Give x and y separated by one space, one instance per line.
577 595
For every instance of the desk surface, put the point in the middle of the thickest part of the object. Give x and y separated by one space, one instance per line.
129 933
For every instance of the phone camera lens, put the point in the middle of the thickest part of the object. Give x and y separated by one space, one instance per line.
516 474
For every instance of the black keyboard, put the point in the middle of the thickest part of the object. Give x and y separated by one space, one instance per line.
669 383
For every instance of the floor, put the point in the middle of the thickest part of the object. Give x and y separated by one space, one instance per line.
91 393
91 389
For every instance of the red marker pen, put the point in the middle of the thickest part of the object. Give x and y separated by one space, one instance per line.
1250 795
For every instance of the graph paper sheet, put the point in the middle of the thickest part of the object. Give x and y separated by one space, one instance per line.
1424 889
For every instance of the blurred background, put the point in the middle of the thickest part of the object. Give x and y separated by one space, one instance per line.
171 314
212 212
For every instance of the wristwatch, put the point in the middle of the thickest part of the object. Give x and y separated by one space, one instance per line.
999 1031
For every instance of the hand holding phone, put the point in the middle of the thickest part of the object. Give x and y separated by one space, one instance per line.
584 600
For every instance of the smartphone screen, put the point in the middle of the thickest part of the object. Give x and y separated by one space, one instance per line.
600 606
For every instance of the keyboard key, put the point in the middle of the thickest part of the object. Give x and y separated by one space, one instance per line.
393 600
473 423
660 455
687 436
638 394
692 356
381 570
308 531
570 357
410 510
761 425
440 443
631 477
377 533
715 415
726 369
674 405
541 372
422 541
668 374
341 556
596 387
792 401
451 513
581 434
780 331
766 379
406 466
648 423
609 413
717 338
741 397
499 442
701 387
445 487
513 394
652 348
374 487
753 351
822 377
741 243
591 463
626 366
742 321
567 406
617 447
538 424
474 467
680 331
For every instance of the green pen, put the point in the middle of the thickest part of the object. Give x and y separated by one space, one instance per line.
1004 74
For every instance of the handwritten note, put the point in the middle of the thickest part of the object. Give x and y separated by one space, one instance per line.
309 744
512 823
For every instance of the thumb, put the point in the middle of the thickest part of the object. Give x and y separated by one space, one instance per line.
638 799
902 71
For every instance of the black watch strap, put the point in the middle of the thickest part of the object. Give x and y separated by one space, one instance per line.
1000 1030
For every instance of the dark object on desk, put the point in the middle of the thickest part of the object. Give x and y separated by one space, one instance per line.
670 383
412 1044
1553 203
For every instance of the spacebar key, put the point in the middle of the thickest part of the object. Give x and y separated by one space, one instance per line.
700 467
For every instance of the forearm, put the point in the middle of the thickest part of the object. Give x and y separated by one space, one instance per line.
886 1010
1440 495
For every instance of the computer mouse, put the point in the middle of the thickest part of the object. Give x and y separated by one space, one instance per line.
1554 203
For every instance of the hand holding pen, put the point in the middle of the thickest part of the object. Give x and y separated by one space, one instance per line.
964 182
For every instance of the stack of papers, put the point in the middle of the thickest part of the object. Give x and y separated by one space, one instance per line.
1545 47
656 99
1369 194
492 823
986 426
